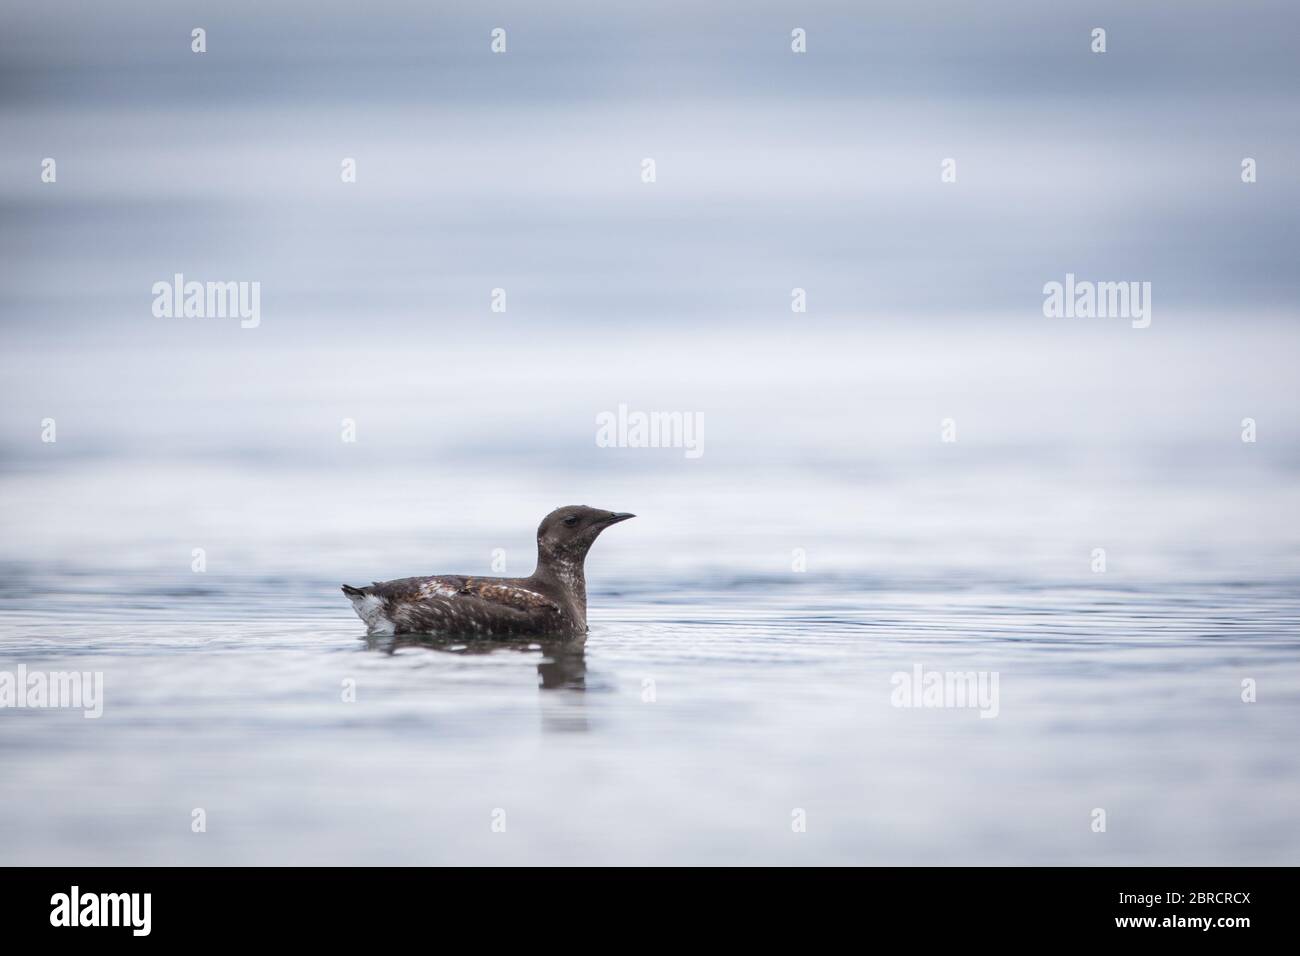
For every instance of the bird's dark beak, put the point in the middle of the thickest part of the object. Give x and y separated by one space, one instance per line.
618 516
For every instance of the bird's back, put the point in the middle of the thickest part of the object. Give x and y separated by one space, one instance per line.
454 604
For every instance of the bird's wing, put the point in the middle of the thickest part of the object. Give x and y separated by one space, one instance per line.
456 603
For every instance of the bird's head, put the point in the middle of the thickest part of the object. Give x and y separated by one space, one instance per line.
566 534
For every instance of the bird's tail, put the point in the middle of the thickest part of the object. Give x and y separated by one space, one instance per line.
352 592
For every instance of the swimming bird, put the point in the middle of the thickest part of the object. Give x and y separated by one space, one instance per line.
552 601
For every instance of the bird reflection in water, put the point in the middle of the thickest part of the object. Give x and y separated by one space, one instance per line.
563 667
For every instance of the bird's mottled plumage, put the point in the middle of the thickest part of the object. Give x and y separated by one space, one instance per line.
552 601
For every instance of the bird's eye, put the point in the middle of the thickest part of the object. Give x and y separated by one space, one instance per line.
571 520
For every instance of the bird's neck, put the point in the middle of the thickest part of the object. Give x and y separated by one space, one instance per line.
567 574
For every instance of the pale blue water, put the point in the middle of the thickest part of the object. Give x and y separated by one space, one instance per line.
769 695
718 693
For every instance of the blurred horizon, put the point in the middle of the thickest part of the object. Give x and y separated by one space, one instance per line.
521 170
775 172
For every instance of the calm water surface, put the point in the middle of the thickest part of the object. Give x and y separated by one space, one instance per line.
718 692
